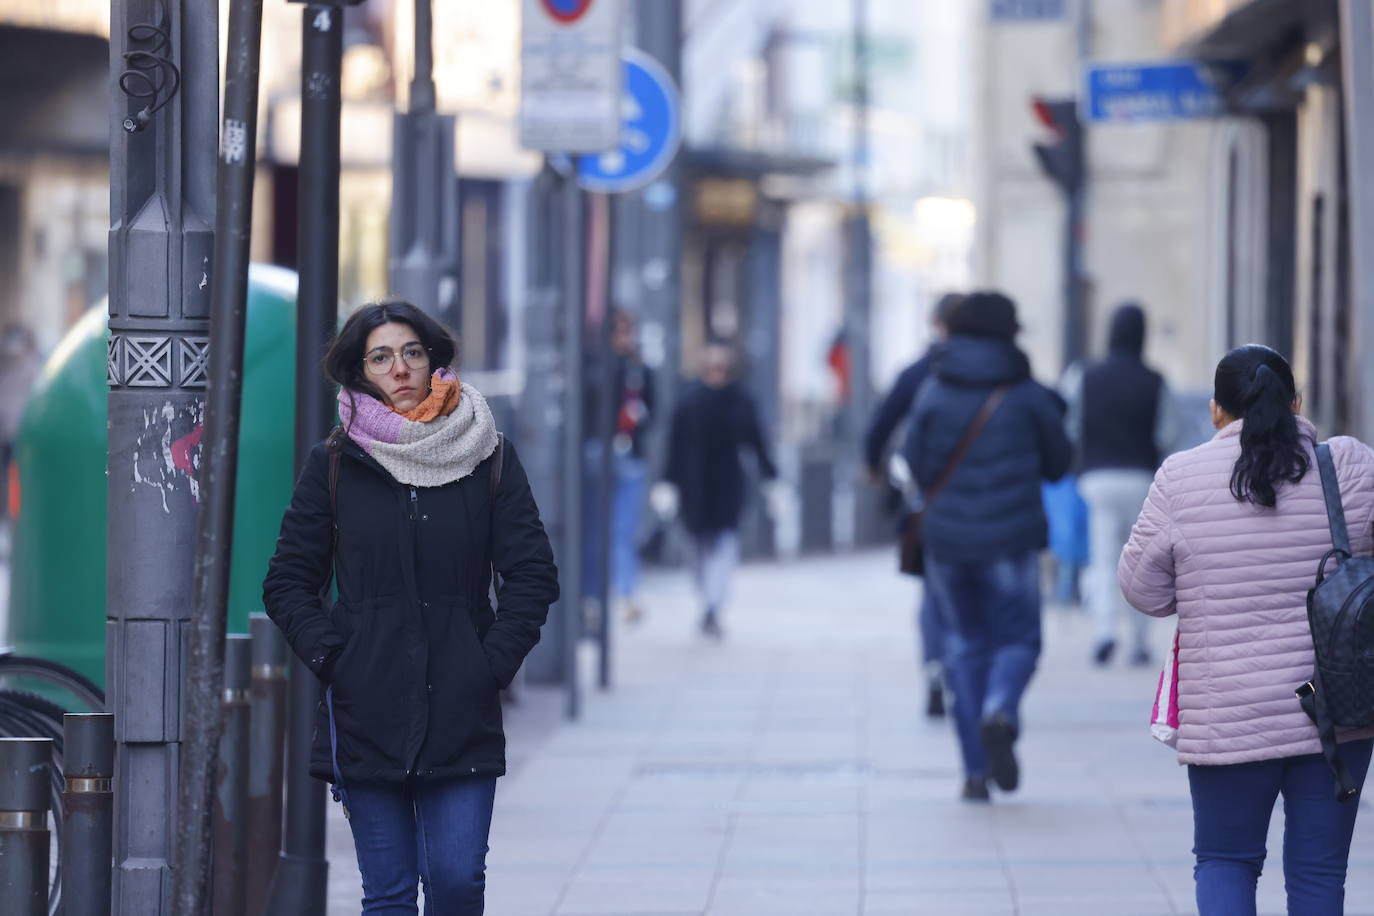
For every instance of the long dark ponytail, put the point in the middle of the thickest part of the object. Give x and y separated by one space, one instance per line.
1255 384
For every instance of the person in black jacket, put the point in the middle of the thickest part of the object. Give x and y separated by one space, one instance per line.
894 409
1121 419
401 505
983 532
713 422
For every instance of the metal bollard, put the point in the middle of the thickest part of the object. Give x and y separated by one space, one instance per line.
231 787
25 787
87 848
267 728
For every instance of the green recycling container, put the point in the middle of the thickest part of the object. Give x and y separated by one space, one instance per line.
57 571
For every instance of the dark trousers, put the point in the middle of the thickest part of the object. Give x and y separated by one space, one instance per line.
1231 809
434 831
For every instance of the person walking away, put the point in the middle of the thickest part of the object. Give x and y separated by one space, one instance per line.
714 422
1122 422
632 407
415 505
1229 540
894 409
992 434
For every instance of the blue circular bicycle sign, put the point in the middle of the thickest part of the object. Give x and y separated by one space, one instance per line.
566 10
650 131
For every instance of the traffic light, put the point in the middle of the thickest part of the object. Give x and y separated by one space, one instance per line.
1062 159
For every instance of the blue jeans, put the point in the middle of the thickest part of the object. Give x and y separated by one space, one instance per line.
628 488
1231 809
932 630
436 831
991 616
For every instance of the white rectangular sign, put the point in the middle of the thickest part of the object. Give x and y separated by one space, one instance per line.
570 75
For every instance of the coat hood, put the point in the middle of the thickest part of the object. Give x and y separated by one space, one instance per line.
1127 335
980 362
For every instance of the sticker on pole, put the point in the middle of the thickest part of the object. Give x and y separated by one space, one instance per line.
650 130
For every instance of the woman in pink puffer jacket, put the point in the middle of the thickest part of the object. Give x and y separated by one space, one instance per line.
1229 539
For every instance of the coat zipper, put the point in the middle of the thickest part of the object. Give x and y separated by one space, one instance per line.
414 501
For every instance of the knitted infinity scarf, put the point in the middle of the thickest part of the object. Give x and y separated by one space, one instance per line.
430 454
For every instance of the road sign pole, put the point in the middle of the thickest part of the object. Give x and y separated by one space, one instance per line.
302 871
657 255
164 58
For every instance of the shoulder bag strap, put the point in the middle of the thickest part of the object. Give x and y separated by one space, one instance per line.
1331 489
961 450
335 443
499 460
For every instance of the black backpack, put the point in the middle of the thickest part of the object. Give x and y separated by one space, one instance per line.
1340 612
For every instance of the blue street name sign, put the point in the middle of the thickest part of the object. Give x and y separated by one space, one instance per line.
650 133
1165 91
1027 10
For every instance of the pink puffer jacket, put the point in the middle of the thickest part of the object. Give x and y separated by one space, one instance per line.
1237 575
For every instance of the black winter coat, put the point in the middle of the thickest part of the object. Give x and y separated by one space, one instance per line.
992 507
895 408
412 648
711 426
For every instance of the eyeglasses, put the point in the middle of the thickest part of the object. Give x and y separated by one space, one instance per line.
380 361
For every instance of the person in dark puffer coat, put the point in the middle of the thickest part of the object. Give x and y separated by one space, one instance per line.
984 531
412 652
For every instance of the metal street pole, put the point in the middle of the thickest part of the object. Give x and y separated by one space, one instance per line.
218 472
657 256
540 418
164 132
25 796
603 425
1357 91
425 254
858 290
299 884
571 547
267 724
231 787
87 812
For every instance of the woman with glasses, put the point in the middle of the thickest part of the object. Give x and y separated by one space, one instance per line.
414 506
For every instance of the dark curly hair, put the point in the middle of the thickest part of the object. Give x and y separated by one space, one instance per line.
343 363
1255 384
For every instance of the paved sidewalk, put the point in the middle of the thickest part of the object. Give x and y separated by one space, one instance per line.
789 770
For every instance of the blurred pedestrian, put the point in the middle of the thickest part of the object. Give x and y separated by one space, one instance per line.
632 409
714 421
994 433
19 365
1122 421
1229 540
891 413
415 505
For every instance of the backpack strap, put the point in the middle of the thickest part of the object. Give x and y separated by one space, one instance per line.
1314 704
1335 513
1311 695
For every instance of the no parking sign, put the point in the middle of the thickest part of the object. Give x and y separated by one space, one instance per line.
566 10
570 75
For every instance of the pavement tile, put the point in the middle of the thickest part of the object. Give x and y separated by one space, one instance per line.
790 770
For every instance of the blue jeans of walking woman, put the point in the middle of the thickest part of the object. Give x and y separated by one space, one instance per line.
434 831
991 616
1231 810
